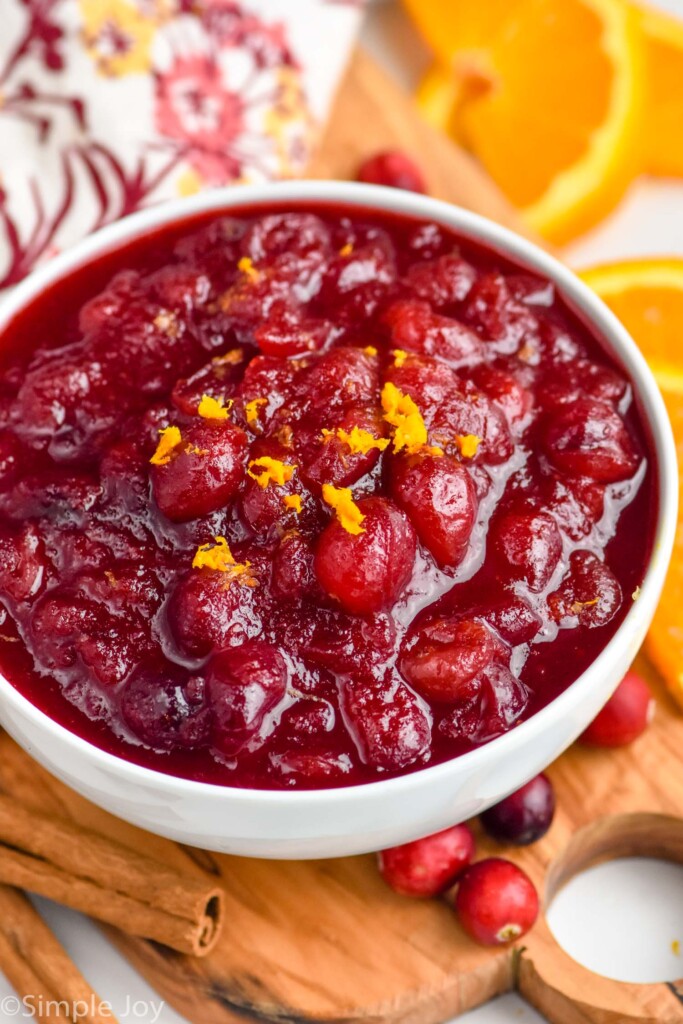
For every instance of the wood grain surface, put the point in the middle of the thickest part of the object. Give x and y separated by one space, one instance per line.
328 941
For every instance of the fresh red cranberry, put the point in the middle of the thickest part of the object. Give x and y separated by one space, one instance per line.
202 473
429 866
588 438
524 816
367 571
530 544
439 496
414 327
243 684
164 709
444 659
496 902
392 729
443 281
625 716
394 169
590 592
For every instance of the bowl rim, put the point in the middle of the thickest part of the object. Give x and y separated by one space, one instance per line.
580 299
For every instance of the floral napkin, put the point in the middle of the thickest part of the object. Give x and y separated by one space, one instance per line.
109 105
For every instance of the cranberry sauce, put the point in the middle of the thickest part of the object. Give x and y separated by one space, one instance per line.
310 498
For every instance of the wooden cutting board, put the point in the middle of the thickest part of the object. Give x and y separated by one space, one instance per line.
328 941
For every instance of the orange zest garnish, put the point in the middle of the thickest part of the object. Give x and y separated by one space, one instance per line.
246 266
359 441
410 431
468 444
167 322
211 408
170 438
346 250
232 358
370 350
578 606
293 501
274 471
192 449
399 357
219 557
251 410
348 514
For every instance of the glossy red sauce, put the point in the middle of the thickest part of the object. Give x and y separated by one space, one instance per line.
498 519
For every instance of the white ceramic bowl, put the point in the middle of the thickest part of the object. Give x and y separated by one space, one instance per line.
336 822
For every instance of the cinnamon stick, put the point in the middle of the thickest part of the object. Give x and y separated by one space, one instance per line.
108 881
49 986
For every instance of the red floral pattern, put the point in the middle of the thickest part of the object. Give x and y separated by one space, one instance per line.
108 105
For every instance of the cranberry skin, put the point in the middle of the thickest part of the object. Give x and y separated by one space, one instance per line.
367 572
589 594
625 716
524 816
293 573
496 902
427 867
530 543
441 501
443 660
165 709
23 564
243 685
588 438
390 726
394 169
203 473
415 328
205 611
442 281
514 620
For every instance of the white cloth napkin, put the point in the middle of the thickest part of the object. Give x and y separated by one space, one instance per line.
110 105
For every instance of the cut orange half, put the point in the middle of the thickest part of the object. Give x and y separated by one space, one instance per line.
662 135
647 296
546 93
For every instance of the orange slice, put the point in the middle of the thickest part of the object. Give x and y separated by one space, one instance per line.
546 93
647 296
662 136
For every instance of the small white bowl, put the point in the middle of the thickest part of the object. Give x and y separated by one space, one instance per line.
357 819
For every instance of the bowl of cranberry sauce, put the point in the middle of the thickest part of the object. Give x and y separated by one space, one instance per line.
312 493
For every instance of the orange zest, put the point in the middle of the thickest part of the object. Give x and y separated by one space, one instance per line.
468 444
232 358
401 412
273 471
246 267
220 558
348 514
210 408
293 501
359 441
169 439
251 410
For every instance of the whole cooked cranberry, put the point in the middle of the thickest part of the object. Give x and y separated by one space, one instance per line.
524 816
208 609
333 458
342 379
243 684
367 571
202 473
514 620
429 866
23 563
165 708
530 544
288 332
440 498
507 391
442 281
496 902
219 379
278 233
500 700
293 573
390 726
342 643
498 315
444 659
414 327
589 594
393 168
625 716
588 438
